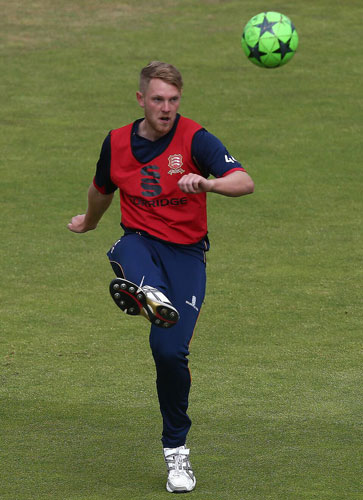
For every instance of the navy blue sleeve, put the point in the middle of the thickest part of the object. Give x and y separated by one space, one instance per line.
211 156
102 179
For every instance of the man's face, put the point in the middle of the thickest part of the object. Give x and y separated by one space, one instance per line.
161 102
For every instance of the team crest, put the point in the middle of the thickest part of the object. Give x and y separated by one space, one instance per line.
175 164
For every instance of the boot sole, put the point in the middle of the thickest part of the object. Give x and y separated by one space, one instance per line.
132 300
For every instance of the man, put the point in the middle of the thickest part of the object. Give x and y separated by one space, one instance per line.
161 164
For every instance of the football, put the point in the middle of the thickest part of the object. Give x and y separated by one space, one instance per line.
269 39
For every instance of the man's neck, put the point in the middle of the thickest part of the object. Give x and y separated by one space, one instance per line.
148 132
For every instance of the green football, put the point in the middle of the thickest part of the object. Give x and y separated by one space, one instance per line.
269 39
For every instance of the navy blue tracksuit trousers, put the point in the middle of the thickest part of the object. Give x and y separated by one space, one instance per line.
179 272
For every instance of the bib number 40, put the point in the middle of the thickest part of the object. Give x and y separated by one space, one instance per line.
229 159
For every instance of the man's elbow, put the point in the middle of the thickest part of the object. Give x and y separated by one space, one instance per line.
247 187
250 187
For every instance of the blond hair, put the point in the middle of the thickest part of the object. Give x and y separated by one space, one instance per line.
164 71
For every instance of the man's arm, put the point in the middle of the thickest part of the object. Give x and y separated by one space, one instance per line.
237 183
98 203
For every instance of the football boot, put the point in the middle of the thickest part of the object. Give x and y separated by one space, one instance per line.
181 477
146 301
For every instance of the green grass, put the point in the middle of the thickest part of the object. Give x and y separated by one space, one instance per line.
276 397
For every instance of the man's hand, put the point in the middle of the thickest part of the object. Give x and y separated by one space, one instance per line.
194 184
77 224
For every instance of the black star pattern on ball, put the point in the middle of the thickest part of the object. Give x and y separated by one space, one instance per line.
255 52
266 26
284 48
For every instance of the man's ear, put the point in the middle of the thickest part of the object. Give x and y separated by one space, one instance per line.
140 98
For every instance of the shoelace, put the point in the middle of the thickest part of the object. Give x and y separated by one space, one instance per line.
157 294
178 462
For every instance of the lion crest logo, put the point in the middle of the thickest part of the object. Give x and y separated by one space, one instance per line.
175 164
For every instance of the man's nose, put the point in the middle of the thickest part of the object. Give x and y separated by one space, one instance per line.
166 106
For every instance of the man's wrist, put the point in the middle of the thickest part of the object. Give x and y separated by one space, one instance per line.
210 185
88 224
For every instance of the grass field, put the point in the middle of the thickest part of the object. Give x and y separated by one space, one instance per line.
276 400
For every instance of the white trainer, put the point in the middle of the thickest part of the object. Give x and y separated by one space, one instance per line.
146 301
181 478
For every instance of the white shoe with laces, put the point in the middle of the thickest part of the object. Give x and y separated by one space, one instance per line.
181 478
146 301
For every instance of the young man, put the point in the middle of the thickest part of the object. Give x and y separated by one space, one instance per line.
161 164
